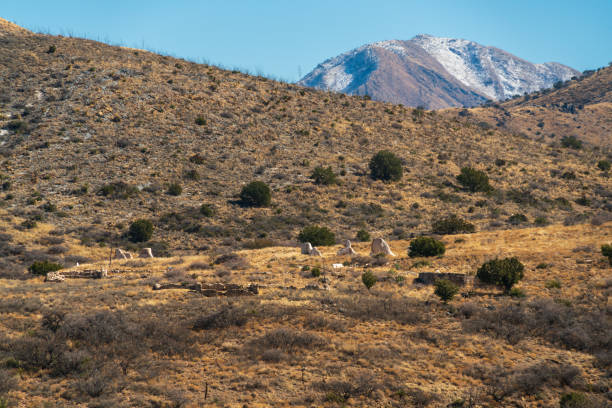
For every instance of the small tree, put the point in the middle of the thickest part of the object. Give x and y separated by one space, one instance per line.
474 180
324 176
606 250
368 279
426 246
44 267
452 225
386 166
571 142
256 194
604 165
363 235
445 290
207 210
501 272
140 231
317 236
175 189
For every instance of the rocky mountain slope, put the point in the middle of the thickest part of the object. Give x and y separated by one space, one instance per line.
581 108
434 72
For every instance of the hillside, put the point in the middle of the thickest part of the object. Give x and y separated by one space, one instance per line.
89 115
94 137
581 107
434 72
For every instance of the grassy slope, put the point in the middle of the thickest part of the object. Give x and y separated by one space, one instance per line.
97 114
396 345
541 115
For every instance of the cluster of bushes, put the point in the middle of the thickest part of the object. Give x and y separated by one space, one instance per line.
452 225
501 272
317 236
256 194
118 190
571 142
386 166
324 176
474 180
426 246
44 267
140 231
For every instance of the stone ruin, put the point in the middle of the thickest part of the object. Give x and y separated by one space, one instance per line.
380 246
347 250
60 276
308 249
429 278
212 289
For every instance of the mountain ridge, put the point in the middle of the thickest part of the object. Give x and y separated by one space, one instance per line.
461 72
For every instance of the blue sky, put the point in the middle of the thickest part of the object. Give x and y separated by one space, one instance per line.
285 38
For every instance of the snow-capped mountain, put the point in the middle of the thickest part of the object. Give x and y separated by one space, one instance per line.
434 72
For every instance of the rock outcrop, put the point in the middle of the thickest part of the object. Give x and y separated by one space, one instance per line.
146 253
308 249
347 250
380 246
121 254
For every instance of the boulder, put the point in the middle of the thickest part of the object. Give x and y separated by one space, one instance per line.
146 253
120 254
380 246
306 248
347 250
315 252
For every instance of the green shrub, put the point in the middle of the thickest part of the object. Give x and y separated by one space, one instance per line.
363 235
474 180
541 221
17 126
553 284
175 189
571 142
368 279
501 272
606 250
574 400
603 165
256 194
445 289
191 175
44 267
426 246
118 190
386 166
324 176
315 271
517 293
200 121
516 219
317 236
207 210
140 231
452 225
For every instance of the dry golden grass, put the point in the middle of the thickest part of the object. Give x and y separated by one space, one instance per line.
427 361
96 114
